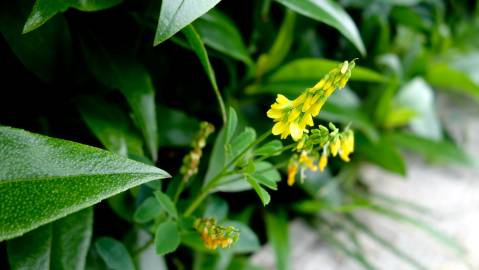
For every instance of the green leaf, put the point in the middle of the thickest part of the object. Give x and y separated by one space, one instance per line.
231 124
264 181
444 77
111 126
278 236
262 193
242 141
43 10
218 156
383 154
216 208
43 179
441 152
271 148
297 75
220 33
330 13
175 15
281 46
167 203
247 241
71 240
148 210
121 71
199 48
32 250
46 52
61 245
176 127
419 96
114 254
167 238
238 182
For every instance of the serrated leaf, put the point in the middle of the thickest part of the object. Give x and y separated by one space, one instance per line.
167 238
147 211
175 15
43 10
111 126
262 193
114 254
167 203
120 70
43 179
220 33
330 13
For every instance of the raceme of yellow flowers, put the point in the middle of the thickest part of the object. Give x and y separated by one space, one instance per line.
293 116
214 235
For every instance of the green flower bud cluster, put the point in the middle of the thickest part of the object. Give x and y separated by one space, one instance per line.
191 161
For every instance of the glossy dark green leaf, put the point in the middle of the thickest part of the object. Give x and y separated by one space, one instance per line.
62 244
442 152
299 74
43 10
166 203
278 236
32 250
121 71
176 128
270 148
111 126
43 179
199 48
114 254
220 33
148 210
47 52
262 193
167 238
330 13
71 240
175 15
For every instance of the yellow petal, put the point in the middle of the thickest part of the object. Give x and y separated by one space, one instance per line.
292 170
280 99
279 128
344 68
334 146
307 103
295 131
293 115
299 100
319 85
323 162
275 114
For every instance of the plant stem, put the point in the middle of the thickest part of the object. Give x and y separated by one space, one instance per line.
214 181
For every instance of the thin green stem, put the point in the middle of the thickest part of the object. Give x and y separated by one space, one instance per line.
214 181
180 189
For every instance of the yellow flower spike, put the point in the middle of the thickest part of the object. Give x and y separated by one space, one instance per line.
334 146
292 171
293 115
275 113
323 161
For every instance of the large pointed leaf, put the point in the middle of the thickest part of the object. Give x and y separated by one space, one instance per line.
43 179
121 71
43 10
220 33
330 13
62 245
176 14
47 52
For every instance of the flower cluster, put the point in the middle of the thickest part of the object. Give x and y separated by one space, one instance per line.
191 161
293 116
317 147
214 235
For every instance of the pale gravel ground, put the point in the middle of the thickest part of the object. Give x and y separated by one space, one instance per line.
451 192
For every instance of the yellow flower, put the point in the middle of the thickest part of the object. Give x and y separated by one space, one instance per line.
292 171
347 145
214 235
292 117
323 161
334 146
306 160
